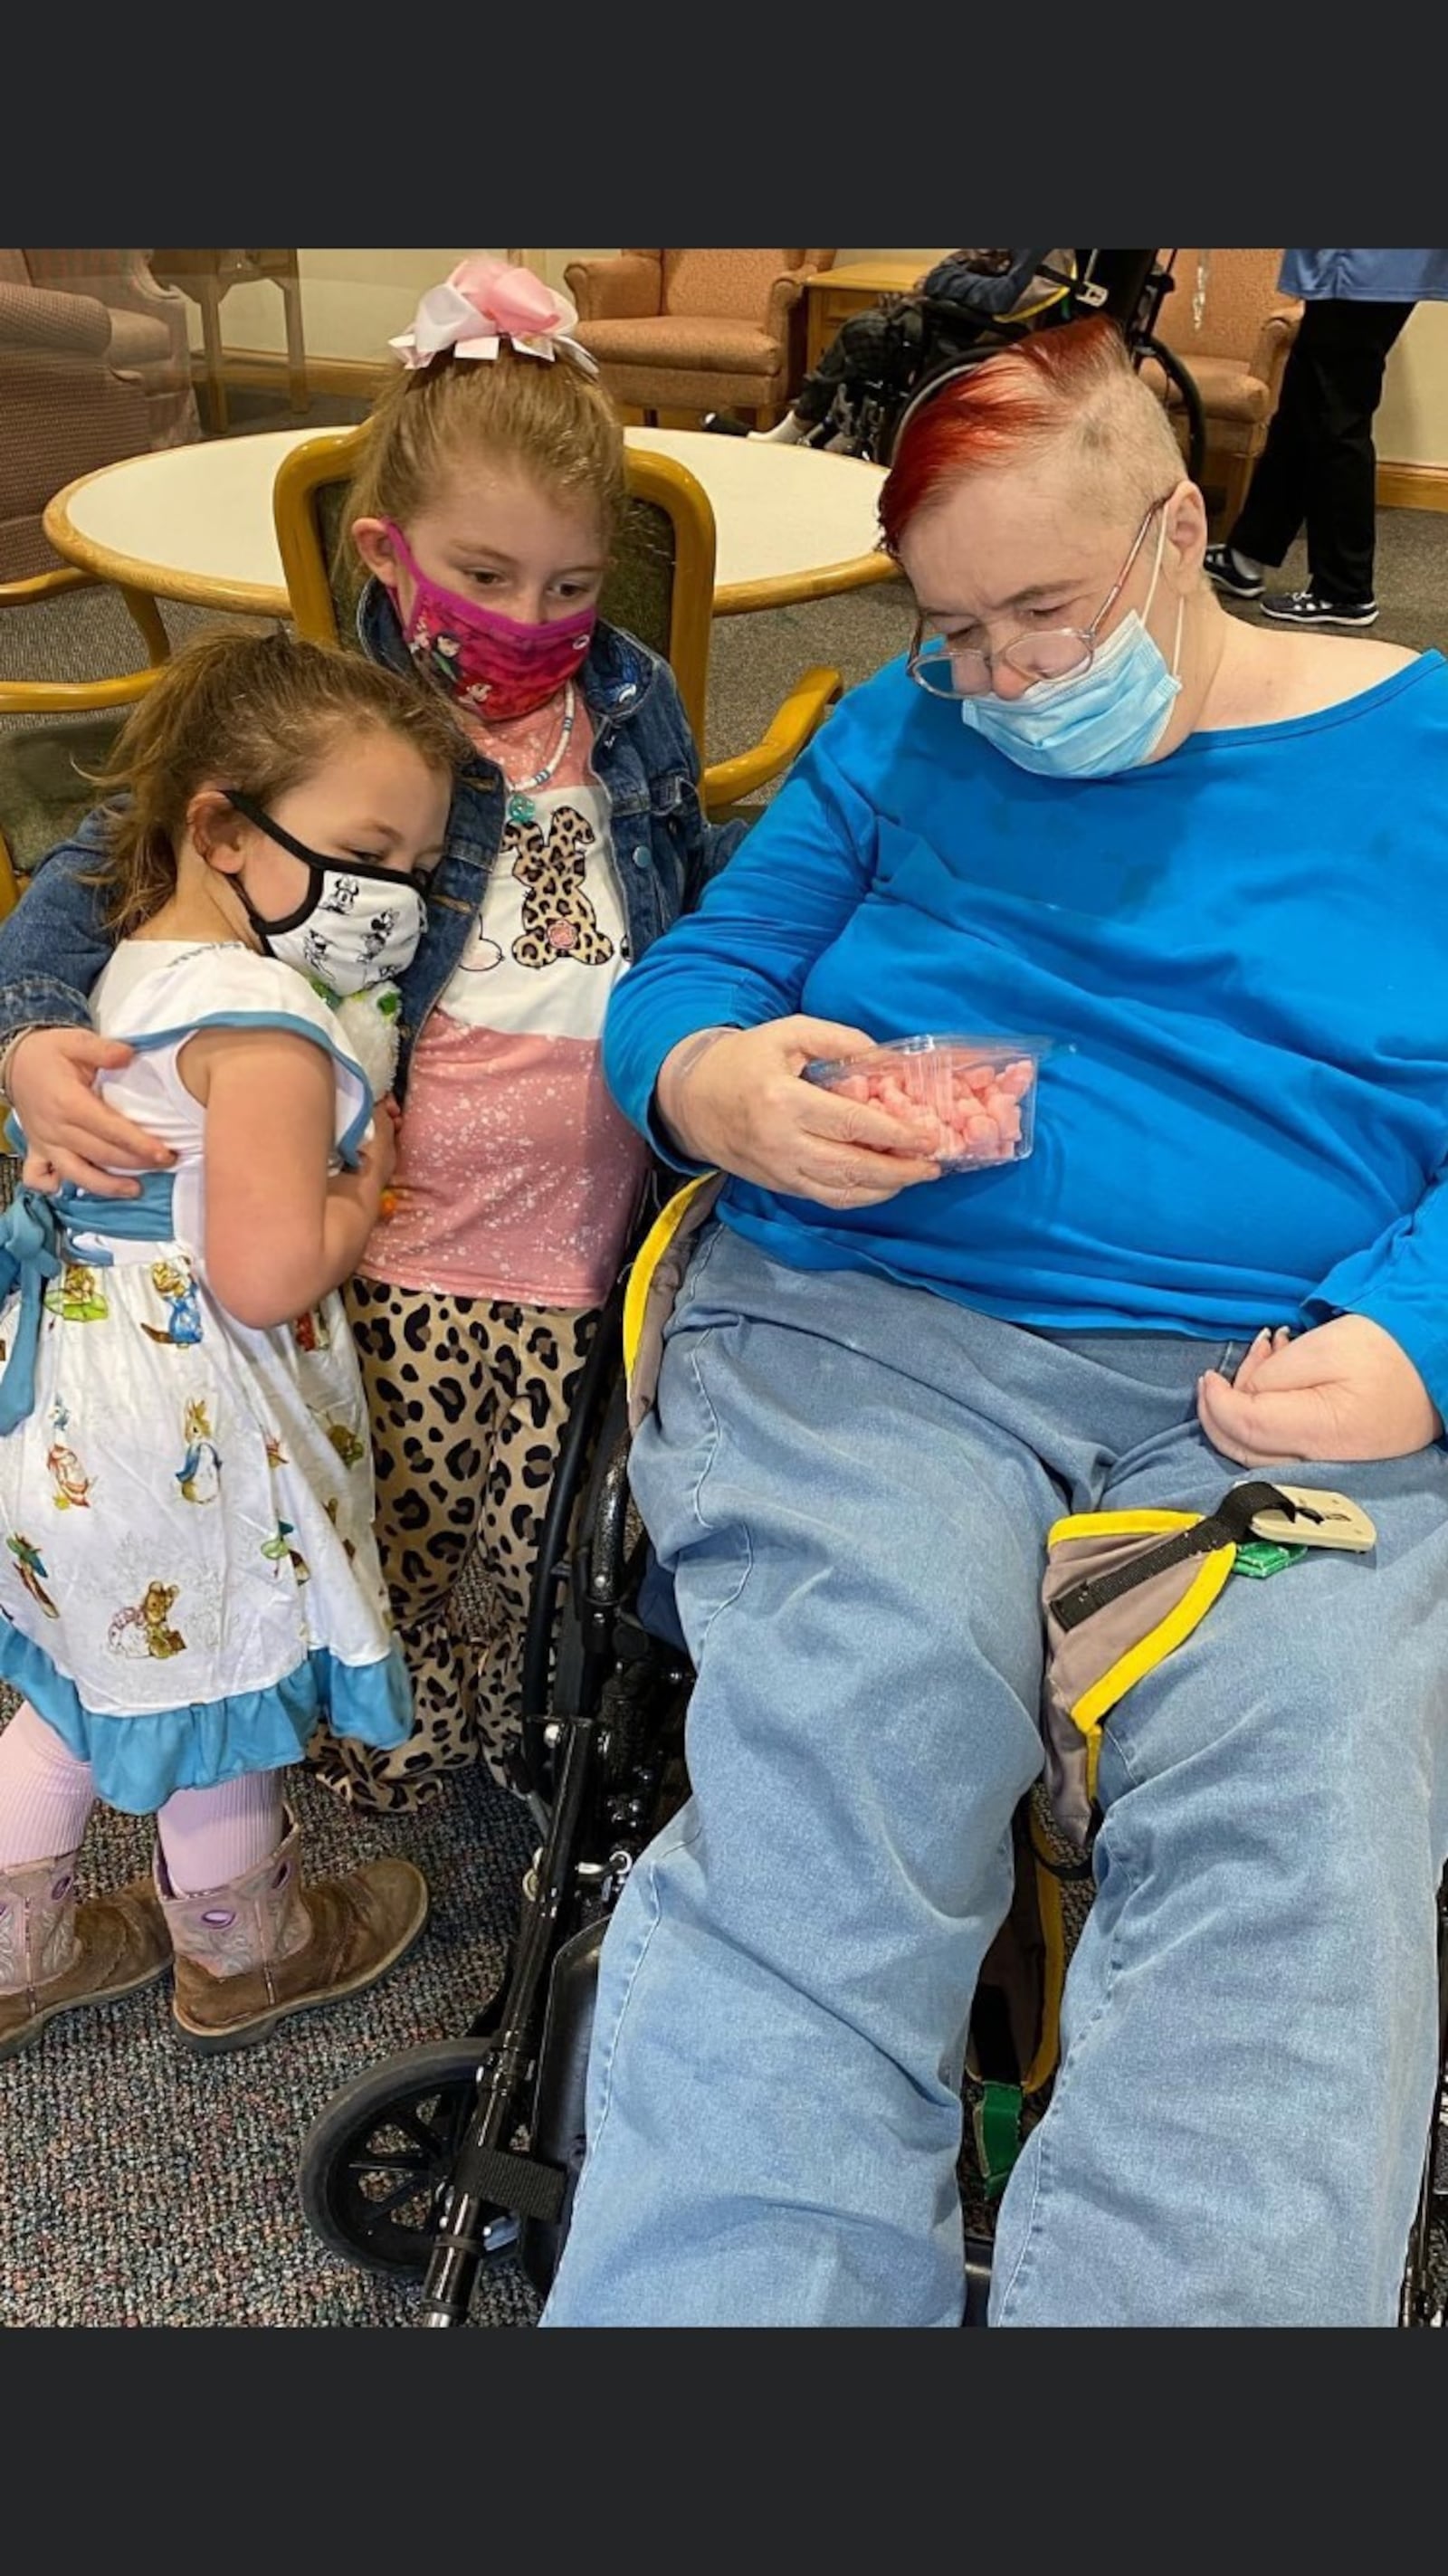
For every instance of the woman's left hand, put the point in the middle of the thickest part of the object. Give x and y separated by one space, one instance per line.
1344 1390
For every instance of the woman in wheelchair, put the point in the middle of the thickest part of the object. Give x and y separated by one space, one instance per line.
1209 863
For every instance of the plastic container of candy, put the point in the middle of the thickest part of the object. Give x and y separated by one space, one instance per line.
975 1096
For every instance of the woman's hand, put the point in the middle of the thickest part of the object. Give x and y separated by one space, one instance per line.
734 1098
70 1134
1344 1390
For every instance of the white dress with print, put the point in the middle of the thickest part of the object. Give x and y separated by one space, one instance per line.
189 1581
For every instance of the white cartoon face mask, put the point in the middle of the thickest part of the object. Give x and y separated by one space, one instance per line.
358 926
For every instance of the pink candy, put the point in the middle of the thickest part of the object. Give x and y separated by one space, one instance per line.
968 1103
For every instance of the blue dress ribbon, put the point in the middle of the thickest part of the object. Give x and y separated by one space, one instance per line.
34 1249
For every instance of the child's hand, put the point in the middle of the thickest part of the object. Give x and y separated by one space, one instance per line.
70 1133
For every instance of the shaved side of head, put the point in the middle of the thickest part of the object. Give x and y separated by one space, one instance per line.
1068 397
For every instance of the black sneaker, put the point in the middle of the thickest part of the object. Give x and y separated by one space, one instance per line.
1224 571
1304 608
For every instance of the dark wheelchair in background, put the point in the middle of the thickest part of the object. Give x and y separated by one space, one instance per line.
971 304
448 2155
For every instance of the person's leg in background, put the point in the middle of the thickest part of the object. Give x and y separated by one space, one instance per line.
1271 517
1318 470
1249 2030
1351 347
54 1951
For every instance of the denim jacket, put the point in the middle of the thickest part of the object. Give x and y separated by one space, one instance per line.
55 943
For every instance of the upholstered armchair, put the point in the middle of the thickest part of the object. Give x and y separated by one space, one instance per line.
150 335
1236 358
83 380
697 330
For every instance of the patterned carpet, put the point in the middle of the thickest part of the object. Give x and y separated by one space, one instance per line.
146 2187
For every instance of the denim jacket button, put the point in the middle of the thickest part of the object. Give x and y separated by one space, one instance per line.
641 856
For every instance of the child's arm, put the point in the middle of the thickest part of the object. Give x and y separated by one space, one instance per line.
279 1232
52 948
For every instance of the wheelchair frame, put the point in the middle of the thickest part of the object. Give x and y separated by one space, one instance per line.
867 380
601 1766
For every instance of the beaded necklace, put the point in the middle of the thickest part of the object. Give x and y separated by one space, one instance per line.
521 808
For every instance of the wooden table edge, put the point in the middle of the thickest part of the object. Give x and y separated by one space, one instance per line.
262 599
791 589
159 581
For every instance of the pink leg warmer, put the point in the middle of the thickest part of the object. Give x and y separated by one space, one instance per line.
211 1836
45 1795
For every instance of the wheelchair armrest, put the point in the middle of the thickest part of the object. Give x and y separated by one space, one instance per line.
726 782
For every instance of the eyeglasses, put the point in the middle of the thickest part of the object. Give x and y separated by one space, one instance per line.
949 670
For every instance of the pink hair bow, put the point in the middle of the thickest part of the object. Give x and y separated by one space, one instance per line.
483 303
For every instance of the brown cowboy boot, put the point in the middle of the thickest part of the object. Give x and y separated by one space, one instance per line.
55 1954
264 1946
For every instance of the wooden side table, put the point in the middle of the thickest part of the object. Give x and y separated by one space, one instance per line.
833 296
206 276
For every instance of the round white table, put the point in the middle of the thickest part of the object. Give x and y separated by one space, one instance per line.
195 523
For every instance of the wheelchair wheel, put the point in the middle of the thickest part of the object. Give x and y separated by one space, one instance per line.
377 2157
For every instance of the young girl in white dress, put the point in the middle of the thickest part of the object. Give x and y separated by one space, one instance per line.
189 1582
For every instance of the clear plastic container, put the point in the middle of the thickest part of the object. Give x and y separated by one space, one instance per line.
979 1091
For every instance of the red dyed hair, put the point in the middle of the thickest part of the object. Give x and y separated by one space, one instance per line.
1023 397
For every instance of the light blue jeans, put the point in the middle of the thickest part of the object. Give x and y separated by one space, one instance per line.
852 1482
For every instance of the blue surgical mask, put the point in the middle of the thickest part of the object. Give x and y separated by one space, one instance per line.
1095 722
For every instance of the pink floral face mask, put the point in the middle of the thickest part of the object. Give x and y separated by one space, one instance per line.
495 667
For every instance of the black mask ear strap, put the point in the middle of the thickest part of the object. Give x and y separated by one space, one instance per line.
314 859
275 831
258 815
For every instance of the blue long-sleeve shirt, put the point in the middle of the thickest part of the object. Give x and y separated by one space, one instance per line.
1244 946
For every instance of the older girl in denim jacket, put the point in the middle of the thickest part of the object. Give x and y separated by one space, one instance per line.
491 484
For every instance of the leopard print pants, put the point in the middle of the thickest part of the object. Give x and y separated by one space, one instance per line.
468 1401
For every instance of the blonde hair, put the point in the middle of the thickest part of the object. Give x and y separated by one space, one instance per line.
256 712
430 423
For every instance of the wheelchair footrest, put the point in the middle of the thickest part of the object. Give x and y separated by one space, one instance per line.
515 2182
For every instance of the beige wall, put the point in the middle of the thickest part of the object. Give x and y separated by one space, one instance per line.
354 300
1412 427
